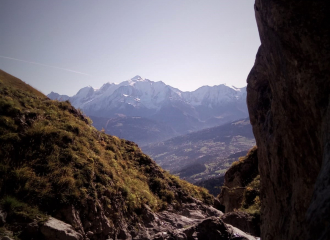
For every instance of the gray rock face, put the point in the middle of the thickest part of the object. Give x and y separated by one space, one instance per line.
288 101
194 220
55 229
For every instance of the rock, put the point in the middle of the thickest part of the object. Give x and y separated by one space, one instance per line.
211 211
55 229
237 177
218 205
124 234
194 214
6 238
243 221
231 198
31 231
288 101
209 229
242 172
175 220
89 234
71 216
3 216
237 234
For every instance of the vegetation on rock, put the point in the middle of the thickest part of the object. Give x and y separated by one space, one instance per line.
241 189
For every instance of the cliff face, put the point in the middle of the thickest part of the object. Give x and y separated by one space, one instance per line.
238 176
288 101
240 194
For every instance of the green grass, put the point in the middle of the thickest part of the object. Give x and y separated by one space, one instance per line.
251 197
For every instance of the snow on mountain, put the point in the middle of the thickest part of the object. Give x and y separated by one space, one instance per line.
213 96
205 107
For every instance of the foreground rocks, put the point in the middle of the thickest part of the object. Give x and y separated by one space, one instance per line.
55 229
193 221
288 101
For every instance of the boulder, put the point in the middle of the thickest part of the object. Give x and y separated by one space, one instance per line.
54 229
243 221
209 229
237 234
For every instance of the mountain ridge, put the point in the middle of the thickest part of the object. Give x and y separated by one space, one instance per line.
157 91
184 112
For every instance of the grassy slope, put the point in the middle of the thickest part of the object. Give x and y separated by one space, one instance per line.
51 156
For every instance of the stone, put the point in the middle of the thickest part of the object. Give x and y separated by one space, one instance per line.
209 229
242 221
89 234
54 229
6 238
194 214
3 216
288 101
31 231
237 234
71 216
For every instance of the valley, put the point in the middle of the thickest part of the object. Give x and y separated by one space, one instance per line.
204 154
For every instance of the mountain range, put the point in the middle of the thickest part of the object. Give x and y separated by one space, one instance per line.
125 109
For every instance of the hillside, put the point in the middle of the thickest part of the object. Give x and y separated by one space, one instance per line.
63 179
204 154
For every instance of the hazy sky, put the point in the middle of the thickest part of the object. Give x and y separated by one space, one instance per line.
64 45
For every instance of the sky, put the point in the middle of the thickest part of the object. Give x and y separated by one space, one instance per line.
62 46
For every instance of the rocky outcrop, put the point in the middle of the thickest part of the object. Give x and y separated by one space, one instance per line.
237 177
243 221
288 100
193 220
55 229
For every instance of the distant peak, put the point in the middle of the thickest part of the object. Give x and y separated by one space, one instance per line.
136 78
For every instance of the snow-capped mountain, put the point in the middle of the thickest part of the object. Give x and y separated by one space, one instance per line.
183 111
